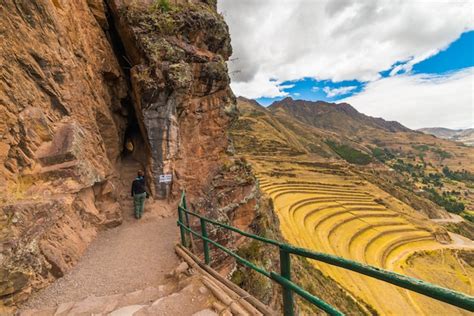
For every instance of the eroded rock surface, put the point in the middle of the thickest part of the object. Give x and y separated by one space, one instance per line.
180 88
61 133
67 107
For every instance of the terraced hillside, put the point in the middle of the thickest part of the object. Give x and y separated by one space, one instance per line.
365 212
342 215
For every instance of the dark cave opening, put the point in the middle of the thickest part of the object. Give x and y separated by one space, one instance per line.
133 140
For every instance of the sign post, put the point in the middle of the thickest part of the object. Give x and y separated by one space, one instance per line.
166 178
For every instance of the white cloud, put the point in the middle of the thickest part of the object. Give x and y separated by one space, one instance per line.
260 86
335 39
421 100
296 94
338 91
314 89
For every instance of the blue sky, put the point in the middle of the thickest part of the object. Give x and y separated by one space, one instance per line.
457 56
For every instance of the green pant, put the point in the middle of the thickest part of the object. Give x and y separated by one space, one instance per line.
139 204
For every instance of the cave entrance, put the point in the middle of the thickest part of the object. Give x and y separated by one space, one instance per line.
133 141
134 151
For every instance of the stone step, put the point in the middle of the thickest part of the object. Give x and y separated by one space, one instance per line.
93 305
186 293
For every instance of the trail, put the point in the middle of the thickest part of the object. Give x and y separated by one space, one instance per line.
132 256
453 218
126 271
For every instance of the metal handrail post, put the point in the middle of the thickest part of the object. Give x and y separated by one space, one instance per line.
205 244
285 272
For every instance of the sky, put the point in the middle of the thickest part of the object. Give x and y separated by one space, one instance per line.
406 60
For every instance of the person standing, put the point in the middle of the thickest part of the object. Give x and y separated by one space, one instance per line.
139 194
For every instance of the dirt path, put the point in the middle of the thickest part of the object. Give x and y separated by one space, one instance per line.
453 218
132 256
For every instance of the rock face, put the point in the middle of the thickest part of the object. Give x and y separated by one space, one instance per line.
61 133
67 107
180 88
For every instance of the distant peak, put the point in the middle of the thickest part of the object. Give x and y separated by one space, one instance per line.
251 101
284 101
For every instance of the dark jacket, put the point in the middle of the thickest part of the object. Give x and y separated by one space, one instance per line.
138 186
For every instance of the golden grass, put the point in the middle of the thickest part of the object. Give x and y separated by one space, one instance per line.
338 214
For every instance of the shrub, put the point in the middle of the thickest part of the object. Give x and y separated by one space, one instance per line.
421 147
441 153
468 216
161 5
349 154
382 154
463 176
446 200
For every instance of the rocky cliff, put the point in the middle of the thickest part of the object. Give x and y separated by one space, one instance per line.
79 79
180 87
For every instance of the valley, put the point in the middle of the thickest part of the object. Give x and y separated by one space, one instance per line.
94 93
323 188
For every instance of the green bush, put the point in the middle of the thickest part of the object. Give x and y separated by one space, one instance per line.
441 153
468 216
446 200
463 176
421 147
349 154
382 154
161 5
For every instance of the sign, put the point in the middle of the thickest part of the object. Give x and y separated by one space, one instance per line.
166 178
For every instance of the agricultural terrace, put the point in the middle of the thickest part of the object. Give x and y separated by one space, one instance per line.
321 206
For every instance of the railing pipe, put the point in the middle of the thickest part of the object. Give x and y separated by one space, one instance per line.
180 219
205 243
227 251
189 240
263 239
331 310
442 294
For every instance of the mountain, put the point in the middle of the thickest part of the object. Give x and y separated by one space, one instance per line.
330 115
338 133
465 136
365 189
261 132
343 124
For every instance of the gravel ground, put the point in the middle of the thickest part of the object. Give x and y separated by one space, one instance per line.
132 256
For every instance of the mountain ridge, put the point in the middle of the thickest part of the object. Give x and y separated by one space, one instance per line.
465 136
310 112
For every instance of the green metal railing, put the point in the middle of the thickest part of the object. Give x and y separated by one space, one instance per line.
284 277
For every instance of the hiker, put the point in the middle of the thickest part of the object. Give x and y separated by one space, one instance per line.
139 194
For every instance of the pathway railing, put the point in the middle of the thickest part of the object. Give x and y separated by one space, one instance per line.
455 298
